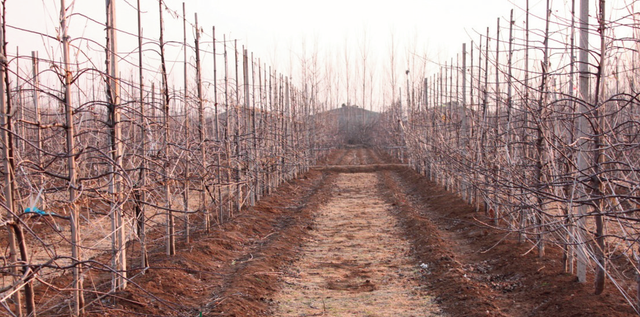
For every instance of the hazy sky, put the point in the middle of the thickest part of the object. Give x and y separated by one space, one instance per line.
275 27
433 25
282 33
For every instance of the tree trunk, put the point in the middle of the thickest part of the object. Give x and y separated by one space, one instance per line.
78 307
599 169
171 239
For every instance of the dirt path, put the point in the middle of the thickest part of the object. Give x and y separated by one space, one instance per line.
348 239
355 262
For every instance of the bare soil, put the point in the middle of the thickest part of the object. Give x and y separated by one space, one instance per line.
362 241
480 271
355 261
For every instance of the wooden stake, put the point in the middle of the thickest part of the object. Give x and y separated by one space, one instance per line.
525 124
583 126
119 262
463 125
36 105
247 124
569 249
187 156
238 121
496 138
217 127
201 132
509 87
255 161
227 132
141 191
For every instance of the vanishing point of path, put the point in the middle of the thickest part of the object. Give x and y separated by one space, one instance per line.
355 262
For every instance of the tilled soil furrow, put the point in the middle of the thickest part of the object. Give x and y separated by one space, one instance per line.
355 262
443 271
473 270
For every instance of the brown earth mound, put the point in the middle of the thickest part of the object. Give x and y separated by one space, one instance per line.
479 271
